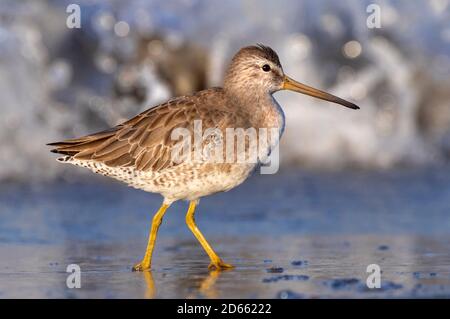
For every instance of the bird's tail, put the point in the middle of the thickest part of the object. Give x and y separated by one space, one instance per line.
81 146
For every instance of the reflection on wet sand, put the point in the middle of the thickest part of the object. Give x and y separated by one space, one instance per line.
206 289
307 267
150 291
326 267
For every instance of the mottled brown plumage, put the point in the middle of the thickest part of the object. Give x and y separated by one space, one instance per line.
144 142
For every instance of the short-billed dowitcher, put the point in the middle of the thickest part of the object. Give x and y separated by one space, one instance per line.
139 151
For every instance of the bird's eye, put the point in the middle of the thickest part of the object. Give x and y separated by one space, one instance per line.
266 68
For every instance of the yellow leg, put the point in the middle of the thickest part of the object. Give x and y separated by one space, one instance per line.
216 262
146 262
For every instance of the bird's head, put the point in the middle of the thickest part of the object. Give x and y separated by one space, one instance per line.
256 70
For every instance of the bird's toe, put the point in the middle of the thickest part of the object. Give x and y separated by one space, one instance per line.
140 267
219 266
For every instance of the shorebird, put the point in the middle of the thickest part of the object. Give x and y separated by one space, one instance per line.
138 151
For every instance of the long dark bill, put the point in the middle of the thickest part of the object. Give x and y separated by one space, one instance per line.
290 84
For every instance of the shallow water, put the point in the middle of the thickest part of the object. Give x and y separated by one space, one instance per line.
291 235
400 78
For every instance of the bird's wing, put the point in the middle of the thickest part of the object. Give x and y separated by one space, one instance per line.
145 140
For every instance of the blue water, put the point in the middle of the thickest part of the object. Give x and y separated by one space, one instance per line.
319 230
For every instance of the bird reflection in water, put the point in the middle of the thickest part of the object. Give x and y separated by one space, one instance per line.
150 291
206 288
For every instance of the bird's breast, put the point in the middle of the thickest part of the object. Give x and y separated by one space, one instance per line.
278 116
272 119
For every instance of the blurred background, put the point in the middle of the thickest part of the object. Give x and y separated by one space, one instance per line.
382 170
58 82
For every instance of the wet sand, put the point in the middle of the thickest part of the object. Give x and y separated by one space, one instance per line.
291 235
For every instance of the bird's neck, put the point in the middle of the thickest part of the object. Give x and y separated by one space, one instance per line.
264 110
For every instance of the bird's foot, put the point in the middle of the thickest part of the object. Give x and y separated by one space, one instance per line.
219 265
141 267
